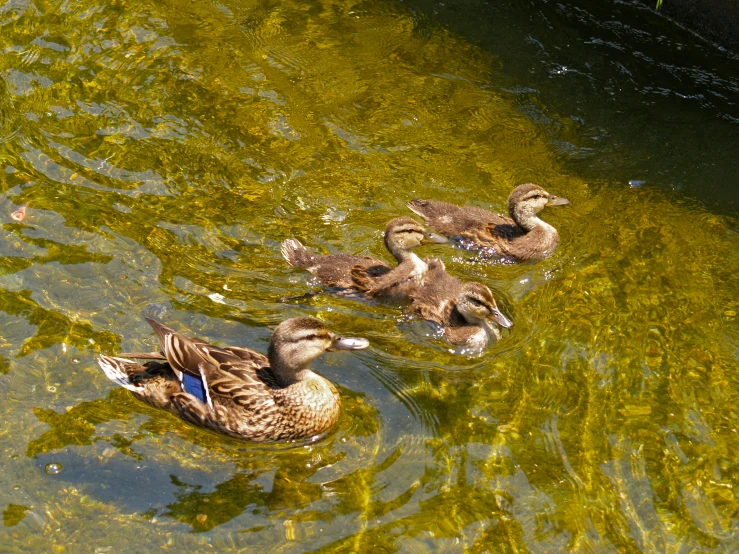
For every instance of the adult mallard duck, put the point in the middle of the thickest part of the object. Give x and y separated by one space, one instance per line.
524 237
367 276
466 311
235 390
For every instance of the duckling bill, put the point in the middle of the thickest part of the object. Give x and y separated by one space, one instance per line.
237 391
523 236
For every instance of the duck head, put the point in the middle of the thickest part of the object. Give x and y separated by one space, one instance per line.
528 200
476 304
297 342
404 233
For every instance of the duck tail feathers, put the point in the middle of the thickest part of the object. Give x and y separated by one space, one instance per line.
116 370
296 254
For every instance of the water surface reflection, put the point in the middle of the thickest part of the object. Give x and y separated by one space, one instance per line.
166 150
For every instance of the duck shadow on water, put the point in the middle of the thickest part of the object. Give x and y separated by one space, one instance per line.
199 478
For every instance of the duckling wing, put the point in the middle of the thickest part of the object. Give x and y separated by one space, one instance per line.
435 297
374 276
395 286
344 271
452 220
341 271
474 226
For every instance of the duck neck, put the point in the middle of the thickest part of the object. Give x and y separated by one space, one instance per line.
526 217
417 265
398 252
287 374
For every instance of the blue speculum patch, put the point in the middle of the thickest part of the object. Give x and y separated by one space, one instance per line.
194 385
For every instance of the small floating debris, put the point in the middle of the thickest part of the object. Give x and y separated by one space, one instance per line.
636 183
20 213
53 468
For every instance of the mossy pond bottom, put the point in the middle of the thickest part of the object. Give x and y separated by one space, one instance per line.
165 149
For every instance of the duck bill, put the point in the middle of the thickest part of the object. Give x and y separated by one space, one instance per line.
498 317
557 201
348 343
432 238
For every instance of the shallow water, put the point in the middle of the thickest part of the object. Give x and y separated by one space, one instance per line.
166 149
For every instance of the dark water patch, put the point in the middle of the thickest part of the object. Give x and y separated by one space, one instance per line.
634 96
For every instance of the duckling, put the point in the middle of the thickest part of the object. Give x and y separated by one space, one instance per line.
367 276
525 237
464 310
235 390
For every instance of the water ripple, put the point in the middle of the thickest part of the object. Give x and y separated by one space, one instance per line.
9 126
166 152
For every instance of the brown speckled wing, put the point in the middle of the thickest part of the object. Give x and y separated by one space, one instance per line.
186 355
427 312
452 220
181 352
253 359
243 405
474 227
395 286
191 409
347 272
367 279
434 298
240 385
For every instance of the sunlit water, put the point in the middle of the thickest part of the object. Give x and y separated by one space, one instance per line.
166 149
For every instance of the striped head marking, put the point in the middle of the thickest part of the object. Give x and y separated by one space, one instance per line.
404 233
530 199
477 305
297 342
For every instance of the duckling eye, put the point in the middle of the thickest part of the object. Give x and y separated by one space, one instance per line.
476 302
310 337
